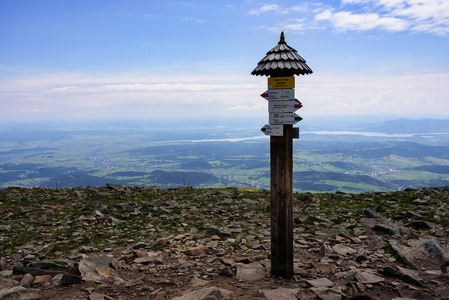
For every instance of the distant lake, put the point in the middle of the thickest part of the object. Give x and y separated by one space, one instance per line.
373 134
362 133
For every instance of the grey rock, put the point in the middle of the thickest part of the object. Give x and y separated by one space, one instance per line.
118 188
318 219
114 221
435 250
406 254
86 249
423 201
368 278
89 267
139 245
421 225
399 273
133 282
343 250
306 294
196 251
27 280
375 242
225 271
224 231
56 280
413 215
198 282
6 284
279 294
390 229
325 250
2 264
99 296
146 259
206 293
250 272
326 268
129 207
20 293
6 273
45 249
369 213
100 207
212 244
410 292
97 214
321 282
325 293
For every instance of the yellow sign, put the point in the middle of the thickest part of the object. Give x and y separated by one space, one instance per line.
281 82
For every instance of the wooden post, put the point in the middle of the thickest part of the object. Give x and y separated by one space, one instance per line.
281 61
281 153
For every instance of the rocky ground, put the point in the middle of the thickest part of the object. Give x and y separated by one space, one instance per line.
121 242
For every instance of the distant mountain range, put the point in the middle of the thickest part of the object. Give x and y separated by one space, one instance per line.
395 126
408 126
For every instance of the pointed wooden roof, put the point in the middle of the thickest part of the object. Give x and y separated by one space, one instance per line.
282 60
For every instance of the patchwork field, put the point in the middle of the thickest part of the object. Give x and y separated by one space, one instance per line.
138 155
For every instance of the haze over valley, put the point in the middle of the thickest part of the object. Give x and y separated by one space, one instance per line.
340 155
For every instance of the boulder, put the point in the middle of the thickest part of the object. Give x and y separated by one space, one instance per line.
250 272
90 267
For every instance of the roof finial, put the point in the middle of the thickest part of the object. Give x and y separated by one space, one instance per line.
282 41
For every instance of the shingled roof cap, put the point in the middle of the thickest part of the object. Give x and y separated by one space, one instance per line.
282 60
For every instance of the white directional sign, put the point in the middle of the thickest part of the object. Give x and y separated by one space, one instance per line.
284 118
273 130
284 106
279 94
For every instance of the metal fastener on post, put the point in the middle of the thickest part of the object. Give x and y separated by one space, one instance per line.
281 63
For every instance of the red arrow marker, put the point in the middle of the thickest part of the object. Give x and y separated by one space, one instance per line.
265 95
298 104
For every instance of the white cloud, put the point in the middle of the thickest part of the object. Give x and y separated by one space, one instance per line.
65 89
138 87
430 16
348 21
426 16
307 7
229 96
324 15
75 96
294 25
263 9
354 1
257 107
420 95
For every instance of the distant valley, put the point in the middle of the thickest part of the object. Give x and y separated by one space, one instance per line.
402 154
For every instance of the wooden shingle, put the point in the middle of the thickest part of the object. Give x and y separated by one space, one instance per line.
282 60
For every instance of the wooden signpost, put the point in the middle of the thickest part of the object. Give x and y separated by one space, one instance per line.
281 63
281 167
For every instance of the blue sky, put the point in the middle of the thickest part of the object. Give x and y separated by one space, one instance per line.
76 60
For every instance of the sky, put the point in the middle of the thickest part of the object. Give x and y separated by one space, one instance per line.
192 60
